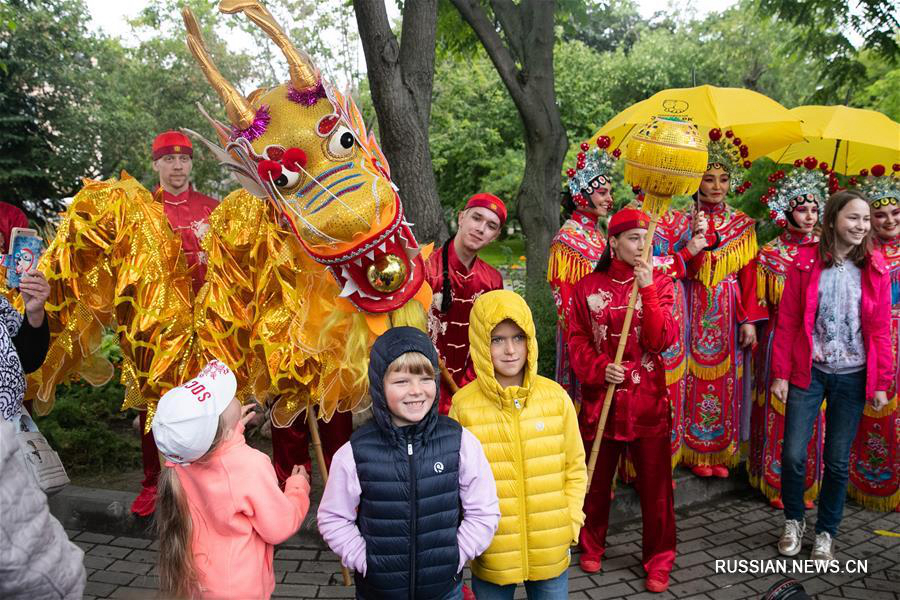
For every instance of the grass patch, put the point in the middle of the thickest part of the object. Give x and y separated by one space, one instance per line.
504 253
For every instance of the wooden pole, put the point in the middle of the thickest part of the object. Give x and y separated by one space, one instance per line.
623 340
320 458
448 379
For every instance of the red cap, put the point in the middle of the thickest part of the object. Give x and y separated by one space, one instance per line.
172 142
628 218
490 202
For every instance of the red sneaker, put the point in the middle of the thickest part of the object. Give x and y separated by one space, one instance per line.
776 503
720 471
468 594
145 504
589 564
657 582
702 471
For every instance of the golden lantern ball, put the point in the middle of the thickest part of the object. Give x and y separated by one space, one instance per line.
387 274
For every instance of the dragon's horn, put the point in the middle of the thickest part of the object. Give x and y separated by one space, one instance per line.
304 74
237 108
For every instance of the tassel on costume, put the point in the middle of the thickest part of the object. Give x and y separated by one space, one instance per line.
721 262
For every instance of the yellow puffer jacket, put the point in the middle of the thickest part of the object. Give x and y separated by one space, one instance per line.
531 439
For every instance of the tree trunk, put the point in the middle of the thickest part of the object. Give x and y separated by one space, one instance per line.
401 77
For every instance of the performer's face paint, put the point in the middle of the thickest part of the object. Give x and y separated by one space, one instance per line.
714 185
852 223
886 221
628 245
478 227
174 170
803 217
509 351
601 200
409 396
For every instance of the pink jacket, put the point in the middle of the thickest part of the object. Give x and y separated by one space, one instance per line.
477 496
238 514
792 347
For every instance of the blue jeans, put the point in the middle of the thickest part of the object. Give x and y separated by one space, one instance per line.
846 400
545 589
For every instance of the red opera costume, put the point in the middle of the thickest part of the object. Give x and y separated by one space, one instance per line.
875 454
449 329
767 416
805 188
639 415
721 296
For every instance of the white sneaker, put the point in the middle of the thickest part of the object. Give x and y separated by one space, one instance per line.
823 549
792 537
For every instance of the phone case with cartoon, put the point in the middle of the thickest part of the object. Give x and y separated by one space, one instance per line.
25 254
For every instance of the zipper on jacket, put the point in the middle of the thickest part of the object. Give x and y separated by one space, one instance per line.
412 518
520 475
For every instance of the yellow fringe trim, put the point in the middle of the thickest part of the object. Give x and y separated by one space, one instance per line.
567 265
728 457
676 458
769 286
675 375
735 255
879 503
709 373
810 494
885 411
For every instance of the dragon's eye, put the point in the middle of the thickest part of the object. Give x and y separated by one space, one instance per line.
340 143
287 179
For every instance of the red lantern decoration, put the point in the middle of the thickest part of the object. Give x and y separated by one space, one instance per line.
603 141
585 146
878 170
810 162
729 134
715 134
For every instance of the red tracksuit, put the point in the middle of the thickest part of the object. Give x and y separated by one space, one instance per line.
639 415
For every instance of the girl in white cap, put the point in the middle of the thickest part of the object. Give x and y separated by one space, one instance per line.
220 511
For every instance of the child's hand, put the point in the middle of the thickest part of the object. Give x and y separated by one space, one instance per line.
300 470
248 413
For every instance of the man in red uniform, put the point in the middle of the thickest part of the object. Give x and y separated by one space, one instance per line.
187 211
639 414
457 276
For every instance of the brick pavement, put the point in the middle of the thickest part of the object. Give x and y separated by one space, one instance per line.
741 527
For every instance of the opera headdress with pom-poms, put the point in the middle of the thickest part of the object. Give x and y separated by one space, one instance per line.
729 153
593 168
808 182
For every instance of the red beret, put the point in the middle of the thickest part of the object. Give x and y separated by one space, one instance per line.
490 202
172 142
628 218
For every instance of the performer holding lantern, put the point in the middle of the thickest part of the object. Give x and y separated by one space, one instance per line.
723 309
795 203
875 453
665 158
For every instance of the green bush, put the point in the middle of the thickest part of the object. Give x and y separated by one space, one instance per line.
89 431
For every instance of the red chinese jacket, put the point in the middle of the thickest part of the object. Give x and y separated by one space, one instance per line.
450 331
188 215
600 301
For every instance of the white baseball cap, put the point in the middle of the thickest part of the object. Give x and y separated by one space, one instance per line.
187 417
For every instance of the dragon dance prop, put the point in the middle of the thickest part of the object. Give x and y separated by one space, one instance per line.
667 157
306 264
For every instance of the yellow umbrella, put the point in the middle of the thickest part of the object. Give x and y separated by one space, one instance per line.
848 139
763 124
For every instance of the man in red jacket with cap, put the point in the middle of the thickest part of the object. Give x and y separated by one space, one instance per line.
457 276
187 211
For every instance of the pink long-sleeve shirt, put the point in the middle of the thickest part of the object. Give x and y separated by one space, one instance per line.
238 514
477 495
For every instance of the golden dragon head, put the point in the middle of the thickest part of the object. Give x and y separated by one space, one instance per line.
304 146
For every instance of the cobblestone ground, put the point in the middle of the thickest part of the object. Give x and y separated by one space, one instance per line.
732 529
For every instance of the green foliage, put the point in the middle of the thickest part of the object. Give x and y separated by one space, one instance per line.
89 431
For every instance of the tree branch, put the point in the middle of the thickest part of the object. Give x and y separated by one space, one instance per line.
379 43
510 19
474 15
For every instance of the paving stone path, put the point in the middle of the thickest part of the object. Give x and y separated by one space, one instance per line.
736 528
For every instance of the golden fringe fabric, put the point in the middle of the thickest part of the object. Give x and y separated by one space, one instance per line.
566 264
769 286
114 260
772 493
674 375
721 262
709 373
891 406
883 504
729 457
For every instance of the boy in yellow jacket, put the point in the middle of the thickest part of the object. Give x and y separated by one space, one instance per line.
529 431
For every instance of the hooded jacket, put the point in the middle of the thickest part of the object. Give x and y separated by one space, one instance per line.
425 495
531 439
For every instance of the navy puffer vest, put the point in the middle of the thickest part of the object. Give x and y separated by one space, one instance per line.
409 510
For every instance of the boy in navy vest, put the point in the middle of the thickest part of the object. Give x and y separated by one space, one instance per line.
410 497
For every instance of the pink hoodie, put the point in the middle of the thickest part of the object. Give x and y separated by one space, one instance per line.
238 514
